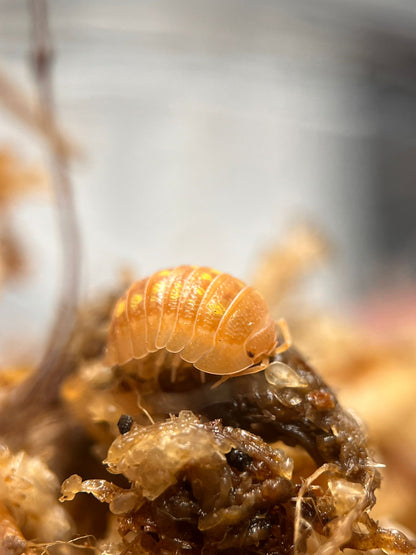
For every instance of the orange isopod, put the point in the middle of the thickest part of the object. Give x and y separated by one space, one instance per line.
211 319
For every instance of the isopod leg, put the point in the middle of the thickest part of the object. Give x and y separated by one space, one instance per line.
250 370
175 363
221 381
287 338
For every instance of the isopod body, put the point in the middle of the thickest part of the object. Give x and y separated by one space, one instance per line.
211 319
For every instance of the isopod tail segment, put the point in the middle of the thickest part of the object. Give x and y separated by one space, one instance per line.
283 328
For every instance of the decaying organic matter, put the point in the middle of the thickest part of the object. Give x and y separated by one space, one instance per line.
212 479
322 506
197 486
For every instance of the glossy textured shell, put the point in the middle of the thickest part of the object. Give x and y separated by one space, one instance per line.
212 319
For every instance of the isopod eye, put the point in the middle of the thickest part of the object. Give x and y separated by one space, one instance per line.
261 343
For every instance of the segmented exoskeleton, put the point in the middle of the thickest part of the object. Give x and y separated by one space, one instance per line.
211 319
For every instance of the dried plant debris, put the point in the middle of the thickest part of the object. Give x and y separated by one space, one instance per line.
265 463
17 179
13 98
29 506
369 359
281 267
210 483
288 402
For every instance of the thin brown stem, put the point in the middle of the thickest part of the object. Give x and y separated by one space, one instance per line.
54 364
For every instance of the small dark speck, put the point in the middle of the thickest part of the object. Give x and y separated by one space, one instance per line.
125 423
259 529
238 459
250 354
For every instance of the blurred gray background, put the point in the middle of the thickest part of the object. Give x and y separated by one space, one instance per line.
210 128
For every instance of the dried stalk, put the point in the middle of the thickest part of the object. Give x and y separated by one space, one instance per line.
51 369
45 382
